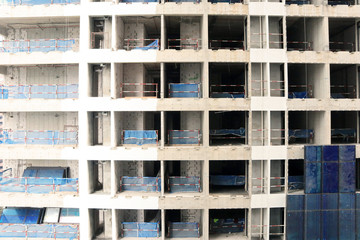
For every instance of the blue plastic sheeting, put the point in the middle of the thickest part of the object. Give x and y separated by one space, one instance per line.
343 133
313 177
313 225
140 137
154 44
296 182
330 153
184 137
39 185
347 175
20 215
347 153
141 184
313 153
330 177
298 95
295 202
140 229
38 137
301 2
70 212
195 1
184 184
227 95
237 132
295 225
347 216
227 180
41 231
56 172
301 133
184 90
38 45
330 221
38 91
228 225
225 1
184 230
39 2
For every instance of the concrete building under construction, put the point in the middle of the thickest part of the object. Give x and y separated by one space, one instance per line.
164 119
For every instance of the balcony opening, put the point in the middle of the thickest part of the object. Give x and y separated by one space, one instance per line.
258 36
184 128
138 33
99 177
137 128
342 34
306 81
228 223
40 82
260 128
228 177
277 176
101 28
228 80
259 80
344 127
183 80
276 32
183 176
304 34
138 176
343 81
100 224
277 128
183 32
277 82
100 80
42 36
139 223
100 128
184 223
228 128
259 176
137 80
277 223
300 131
296 176
258 226
341 2
227 32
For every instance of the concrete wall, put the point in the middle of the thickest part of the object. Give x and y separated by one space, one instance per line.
134 31
190 28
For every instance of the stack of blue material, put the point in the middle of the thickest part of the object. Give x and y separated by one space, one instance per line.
328 208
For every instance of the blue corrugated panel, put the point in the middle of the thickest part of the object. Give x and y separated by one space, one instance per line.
313 153
295 225
330 153
330 177
330 216
347 176
295 202
357 196
346 216
330 201
313 177
347 153
313 216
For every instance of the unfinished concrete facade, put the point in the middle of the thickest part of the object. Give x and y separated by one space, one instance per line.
151 106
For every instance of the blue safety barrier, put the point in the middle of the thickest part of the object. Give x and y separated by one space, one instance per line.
345 133
140 184
228 225
140 229
183 230
46 137
298 95
296 182
154 44
301 133
38 2
43 91
184 137
140 137
184 90
38 45
227 180
223 132
184 184
227 95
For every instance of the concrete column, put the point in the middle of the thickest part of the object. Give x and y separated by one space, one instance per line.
162 170
113 130
113 85
204 31
163 221
205 128
113 36
205 177
85 228
267 31
106 128
107 177
115 220
205 223
113 179
205 79
325 36
162 80
108 223
163 32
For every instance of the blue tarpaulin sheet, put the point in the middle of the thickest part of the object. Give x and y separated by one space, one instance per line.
140 229
227 180
184 137
141 184
296 182
184 90
298 95
39 2
343 133
154 44
237 132
228 225
39 91
184 184
140 137
301 133
46 137
184 230
56 172
38 45
20 215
